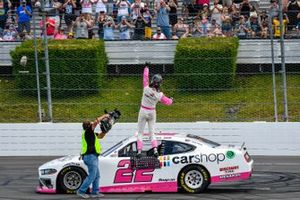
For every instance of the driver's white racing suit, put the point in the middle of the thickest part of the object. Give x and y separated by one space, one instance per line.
147 111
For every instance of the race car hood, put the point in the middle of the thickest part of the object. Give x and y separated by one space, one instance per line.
61 162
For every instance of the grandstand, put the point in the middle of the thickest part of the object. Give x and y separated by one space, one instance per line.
251 51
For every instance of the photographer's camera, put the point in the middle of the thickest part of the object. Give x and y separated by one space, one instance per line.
107 123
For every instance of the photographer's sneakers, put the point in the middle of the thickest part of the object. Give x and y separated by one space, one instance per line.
82 195
99 195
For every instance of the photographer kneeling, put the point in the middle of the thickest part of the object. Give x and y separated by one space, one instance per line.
90 151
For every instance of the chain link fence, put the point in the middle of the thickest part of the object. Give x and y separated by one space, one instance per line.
250 98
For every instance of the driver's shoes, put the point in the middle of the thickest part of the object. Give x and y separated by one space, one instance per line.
139 155
156 154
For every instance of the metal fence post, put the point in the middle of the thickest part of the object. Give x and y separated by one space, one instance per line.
273 68
49 99
37 69
283 70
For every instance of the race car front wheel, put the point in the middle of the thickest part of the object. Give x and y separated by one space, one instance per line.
193 179
70 179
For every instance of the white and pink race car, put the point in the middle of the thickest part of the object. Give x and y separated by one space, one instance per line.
186 163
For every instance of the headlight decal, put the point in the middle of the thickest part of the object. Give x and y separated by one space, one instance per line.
48 171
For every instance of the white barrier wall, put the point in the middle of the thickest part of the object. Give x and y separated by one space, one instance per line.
51 139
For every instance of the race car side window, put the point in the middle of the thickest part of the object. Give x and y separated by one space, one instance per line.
173 147
128 151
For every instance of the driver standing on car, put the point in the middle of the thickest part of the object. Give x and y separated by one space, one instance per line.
90 151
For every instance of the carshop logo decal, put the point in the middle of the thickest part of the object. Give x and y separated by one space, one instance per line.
199 158
164 161
230 154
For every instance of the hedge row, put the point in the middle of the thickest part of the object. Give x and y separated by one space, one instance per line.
206 63
77 67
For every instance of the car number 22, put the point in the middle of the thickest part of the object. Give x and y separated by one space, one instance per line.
125 174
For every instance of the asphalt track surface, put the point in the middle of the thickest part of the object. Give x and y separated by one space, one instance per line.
273 178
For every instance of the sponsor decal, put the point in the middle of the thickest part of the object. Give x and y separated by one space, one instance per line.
230 154
166 179
229 169
229 176
164 161
199 158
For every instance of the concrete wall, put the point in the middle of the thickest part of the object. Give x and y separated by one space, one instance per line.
47 139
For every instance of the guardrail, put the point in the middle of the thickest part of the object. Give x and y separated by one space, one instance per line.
163 52
50 139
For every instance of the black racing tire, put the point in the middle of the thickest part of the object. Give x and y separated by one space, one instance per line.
193 179
70 179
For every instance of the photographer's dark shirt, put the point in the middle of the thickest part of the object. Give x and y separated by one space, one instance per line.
89 136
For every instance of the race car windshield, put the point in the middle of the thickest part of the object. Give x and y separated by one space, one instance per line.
113 148
201 139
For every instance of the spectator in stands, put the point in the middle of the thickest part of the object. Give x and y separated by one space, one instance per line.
255 26
242 28
181 29
213 26
274 9
255 5
204 11
173 13
23 17
145 12
82 25
139 28
102 18
123 6
227 3
50 27
109 7
293 10
216 11
196 27
227 26
69 7
187 7
61 10
265 30
225 14
86 6
60 35
136 9
159 35
235 17
10 34
245 8
263 17
57 12
276 25
109 26
4 7
70 35
100 6
91 20
199 5
215 29
163 18
124 27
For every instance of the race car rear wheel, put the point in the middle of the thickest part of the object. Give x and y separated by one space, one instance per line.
70 179
193 179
